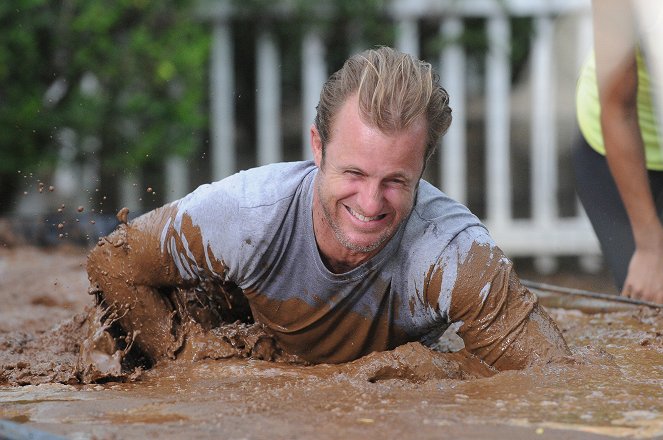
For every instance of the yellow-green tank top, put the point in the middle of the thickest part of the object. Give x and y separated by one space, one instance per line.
589 112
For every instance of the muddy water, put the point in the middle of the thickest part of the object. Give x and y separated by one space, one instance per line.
611 387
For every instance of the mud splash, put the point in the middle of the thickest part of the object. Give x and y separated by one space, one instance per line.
85 349
612 386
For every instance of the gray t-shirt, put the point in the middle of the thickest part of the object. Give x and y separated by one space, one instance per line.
255 229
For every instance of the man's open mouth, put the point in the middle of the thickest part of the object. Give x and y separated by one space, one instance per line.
364 219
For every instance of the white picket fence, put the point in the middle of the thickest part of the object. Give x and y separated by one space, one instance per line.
545 234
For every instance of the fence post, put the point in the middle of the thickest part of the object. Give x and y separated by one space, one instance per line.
268 96
498 80
223 102
314 75
543 155
453 163
177 178
407 37
130 191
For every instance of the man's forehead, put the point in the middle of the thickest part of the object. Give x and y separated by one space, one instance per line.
351 111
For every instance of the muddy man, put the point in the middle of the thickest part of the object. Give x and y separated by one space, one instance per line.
340 256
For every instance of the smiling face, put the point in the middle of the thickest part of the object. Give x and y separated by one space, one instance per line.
365 187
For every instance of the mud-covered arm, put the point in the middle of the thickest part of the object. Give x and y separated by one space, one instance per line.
157 249
502 322
133 271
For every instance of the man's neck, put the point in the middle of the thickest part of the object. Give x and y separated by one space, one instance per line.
337 266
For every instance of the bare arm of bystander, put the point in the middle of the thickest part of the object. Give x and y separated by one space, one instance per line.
617 74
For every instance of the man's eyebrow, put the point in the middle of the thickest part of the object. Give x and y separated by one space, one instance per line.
398 175
343 168
394 175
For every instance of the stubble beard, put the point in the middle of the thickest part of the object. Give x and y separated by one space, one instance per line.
343 238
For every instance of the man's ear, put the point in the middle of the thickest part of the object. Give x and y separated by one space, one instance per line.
316 145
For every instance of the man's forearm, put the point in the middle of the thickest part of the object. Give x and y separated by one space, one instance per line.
503 323
126 270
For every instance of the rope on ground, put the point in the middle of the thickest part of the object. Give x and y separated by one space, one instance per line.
586 293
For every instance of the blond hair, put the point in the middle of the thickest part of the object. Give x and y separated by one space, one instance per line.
394 90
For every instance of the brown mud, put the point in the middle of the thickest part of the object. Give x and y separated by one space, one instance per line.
612 386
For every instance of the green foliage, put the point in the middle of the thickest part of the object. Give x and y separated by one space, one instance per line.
474 40
129 77
361 21
365 19
130 74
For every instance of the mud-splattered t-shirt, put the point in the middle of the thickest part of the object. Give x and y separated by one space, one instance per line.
255 229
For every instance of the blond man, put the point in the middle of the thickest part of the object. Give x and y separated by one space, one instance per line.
341 256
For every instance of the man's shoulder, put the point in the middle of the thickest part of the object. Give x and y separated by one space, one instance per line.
281 170
436 211
258 186
269 184
438 224
240 216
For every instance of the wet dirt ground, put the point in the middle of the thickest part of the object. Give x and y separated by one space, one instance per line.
611 388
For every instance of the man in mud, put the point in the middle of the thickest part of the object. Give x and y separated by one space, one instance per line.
337 257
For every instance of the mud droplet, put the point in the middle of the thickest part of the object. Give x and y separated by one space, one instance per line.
80 209
51 188
60 226
92 222
149 189
122 215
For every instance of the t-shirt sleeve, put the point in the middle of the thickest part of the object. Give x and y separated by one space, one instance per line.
200 236
502 322
223 230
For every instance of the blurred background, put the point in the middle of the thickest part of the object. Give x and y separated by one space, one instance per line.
135 103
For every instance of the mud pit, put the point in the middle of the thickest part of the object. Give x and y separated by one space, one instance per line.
613 387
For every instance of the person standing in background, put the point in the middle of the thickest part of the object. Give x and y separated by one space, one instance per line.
618 160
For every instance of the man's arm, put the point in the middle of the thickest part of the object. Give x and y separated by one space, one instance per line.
132 270
503 324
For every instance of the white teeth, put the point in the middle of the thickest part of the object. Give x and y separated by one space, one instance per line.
363 218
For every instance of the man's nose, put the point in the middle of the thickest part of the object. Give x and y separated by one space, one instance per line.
371 199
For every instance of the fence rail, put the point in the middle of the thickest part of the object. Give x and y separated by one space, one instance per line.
544 233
